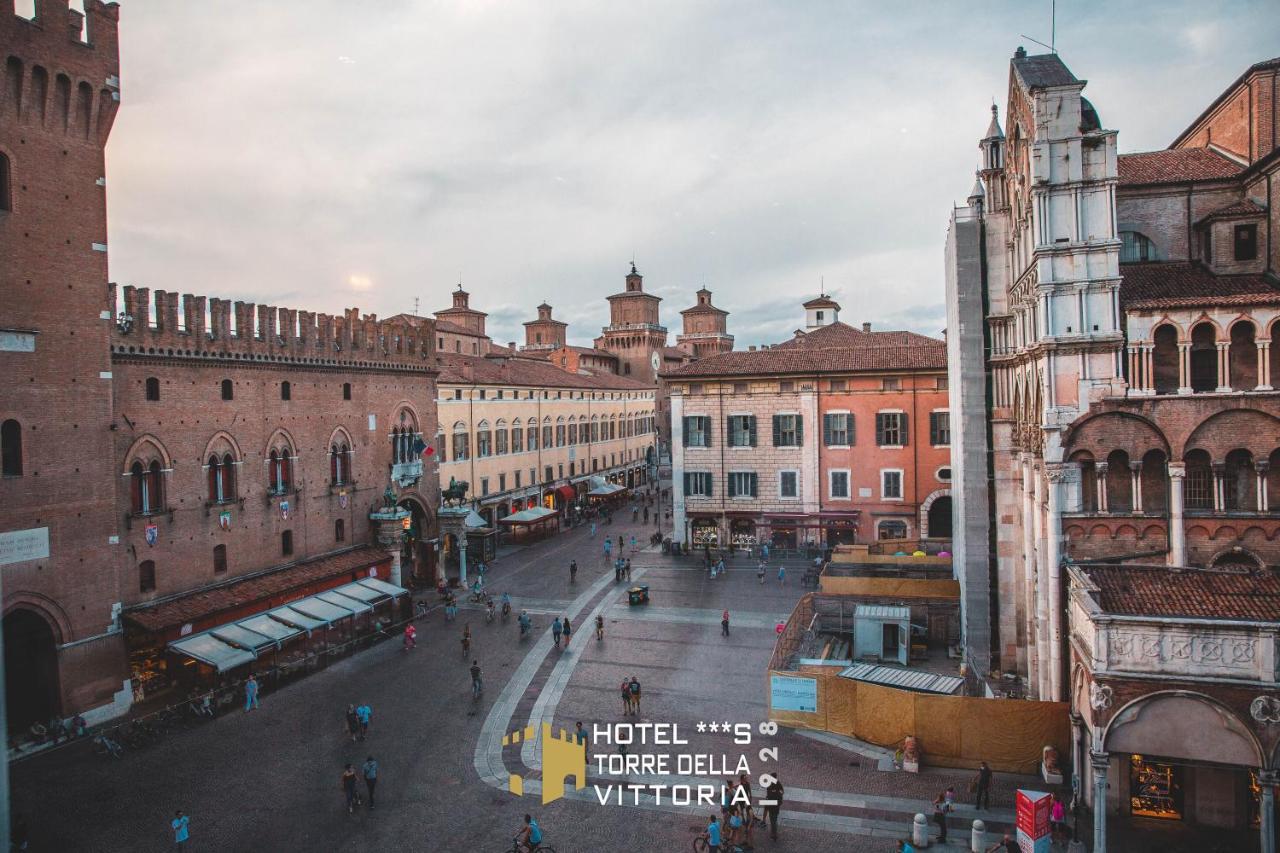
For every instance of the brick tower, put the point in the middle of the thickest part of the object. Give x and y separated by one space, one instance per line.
58 532
544 333
706 328
634 333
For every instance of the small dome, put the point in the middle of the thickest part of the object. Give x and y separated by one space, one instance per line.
1088 117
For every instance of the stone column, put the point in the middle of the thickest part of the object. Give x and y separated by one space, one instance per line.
1056 475
1264 366
1177 534
1042 593
1219 494
1135 471
1267 781
1135 371
1100 763
1224 366
1184 367
1261 467
1100 481
1148 373
1029 560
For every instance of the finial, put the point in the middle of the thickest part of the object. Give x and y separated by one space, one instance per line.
633 267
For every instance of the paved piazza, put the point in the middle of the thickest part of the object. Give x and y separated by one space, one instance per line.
269 780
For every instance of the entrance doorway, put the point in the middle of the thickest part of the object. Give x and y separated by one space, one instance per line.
940 518
890 644
30 670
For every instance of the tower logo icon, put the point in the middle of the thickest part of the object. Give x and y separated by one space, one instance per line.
560 757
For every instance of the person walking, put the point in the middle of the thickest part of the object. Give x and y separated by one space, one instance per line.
982 785
370 773
593 530
600 627
608 547
713 835
724 623
634 687
626 697
782 575
773 793
940 809
568 631
760 573
349 787
764 552
353 723
181 826
1057 817
556 630
251 693
364 714
621 544
573 571
476 684
628 569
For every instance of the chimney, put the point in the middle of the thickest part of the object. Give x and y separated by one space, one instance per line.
512 344
866 327
751 348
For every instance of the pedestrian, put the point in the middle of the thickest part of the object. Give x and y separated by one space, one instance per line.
626 697
617 570
370 773
556 630
940 809
568 631
353 722
349 787
764 551
646 514
608 548
713 836
634 687
782 575
1057 817
633 543
181 826
760 573
364 714
773 793
580 737
724 622
593 530
1005 845
251 693
982 785
476 685
621 544
573 571
628 570
599 627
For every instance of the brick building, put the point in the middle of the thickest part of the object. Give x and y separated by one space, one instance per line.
839 435
706 329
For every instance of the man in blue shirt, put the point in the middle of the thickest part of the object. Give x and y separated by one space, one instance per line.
713 836
179 824
365 713
370 773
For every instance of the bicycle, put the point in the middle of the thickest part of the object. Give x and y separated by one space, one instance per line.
540 847
701 844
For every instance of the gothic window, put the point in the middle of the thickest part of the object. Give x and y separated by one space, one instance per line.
221 473
339 462
279 469
147 487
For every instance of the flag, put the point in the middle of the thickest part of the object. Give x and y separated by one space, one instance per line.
419 446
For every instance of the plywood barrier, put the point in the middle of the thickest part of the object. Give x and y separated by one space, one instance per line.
905 588
954 731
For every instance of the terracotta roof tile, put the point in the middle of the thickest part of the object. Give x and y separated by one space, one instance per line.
1192 593
1186 285
264 587
844 335
526 373
779 360
1174 166
1234 210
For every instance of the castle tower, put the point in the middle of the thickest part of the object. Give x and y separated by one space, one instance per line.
634 333
58 527
462 313
822 311
544 333
705 328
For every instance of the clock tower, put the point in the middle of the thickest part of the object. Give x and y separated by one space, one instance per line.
634 334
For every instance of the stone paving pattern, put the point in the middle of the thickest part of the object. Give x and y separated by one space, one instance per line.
269 779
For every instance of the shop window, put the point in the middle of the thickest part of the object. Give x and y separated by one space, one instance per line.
153 389
705 533
1155 790
892 530
286 543
147 576
219 559
228 392
11 448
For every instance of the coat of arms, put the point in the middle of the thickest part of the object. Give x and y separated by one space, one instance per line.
153 533
224 519
284 509
342 499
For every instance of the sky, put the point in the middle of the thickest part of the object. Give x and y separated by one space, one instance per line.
340 153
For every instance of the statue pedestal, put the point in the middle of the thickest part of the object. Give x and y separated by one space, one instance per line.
389 523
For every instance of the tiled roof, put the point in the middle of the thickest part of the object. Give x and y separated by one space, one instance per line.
844 335
1187 285
526 373
456 329
1045 69
598 353
1174 166
822 301
1192 593
1235 210
780 361
675 353
221 599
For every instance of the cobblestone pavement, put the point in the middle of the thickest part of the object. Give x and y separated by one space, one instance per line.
269 779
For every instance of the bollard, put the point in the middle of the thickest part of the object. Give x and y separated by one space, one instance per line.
919 832
977 840
1077 846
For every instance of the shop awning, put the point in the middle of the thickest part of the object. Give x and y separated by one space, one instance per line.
532 515
567 492
383 587
606 490
292 617
322 610
238 635
268 627
352 604
474 520
361 592
207 648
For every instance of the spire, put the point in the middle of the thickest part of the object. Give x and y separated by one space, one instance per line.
977 194
993 130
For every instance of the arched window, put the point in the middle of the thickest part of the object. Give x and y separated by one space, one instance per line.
219 559
1135 247
484 440
279 470
11 448
1088 480
346 390
403 439
286 391
228 392
1242 357
153 389
1239 482
147 576
339 463
1164 359
1119 482
286 543
1204 358
339 530
1155 482
1199 488
147 487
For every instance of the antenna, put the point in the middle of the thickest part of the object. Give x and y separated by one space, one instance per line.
1053 29
415 306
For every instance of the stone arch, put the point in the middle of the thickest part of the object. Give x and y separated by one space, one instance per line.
926 505
1242 354
1236 557
340 435
222 440
32 683
1164 357
1182 724
410 411
147 448
281 438
1205 334
1106 431
1220 433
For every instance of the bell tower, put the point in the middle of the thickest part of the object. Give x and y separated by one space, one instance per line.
634 333
706 328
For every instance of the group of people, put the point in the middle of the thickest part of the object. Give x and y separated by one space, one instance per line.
631 696
369 771
358 718
622 569
944 804
560 627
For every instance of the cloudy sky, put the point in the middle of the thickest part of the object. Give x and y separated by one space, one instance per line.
336 153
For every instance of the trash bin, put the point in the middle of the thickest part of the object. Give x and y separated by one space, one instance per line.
638 595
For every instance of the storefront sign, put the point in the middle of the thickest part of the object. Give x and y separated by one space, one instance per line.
18 546
787 693
1031 816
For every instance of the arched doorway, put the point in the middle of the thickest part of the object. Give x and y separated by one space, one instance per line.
940 518
30 670
417 556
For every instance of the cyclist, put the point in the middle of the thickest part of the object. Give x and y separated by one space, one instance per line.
529 836
525 622
466 639
475 679
506 605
